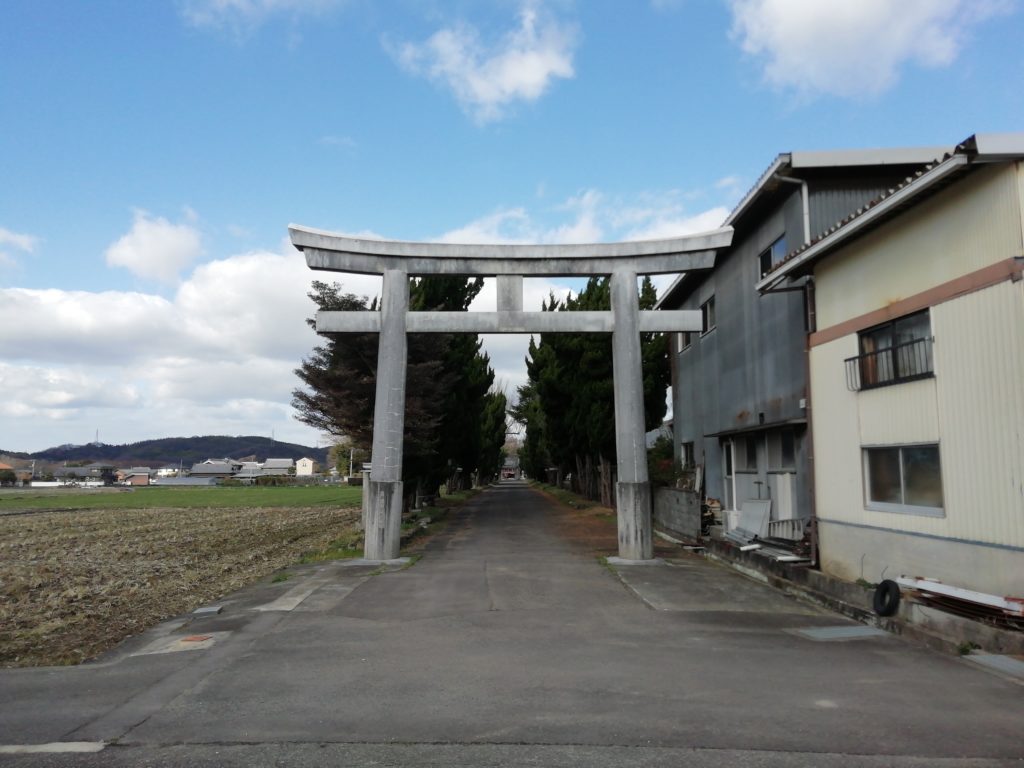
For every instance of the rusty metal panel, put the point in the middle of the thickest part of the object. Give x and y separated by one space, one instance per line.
971 225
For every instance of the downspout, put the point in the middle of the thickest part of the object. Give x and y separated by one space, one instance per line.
812 326
811 314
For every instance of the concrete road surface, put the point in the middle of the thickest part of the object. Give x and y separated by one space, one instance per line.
509 643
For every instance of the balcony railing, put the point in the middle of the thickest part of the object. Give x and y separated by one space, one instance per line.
892 365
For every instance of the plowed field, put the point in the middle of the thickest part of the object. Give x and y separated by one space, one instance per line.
75 583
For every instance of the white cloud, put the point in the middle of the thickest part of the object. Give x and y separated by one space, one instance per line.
586 228
243 15
155 248
485 81
17 241
138 365
347 142
853 49
51 392
506 226
217 357
665 224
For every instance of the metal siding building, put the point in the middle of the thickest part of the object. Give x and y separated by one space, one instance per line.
943 256
746 380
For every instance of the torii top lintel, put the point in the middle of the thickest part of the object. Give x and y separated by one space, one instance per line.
336 252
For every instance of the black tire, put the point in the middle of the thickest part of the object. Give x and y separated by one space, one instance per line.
887 598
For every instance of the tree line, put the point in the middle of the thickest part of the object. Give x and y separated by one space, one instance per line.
455 420
568 405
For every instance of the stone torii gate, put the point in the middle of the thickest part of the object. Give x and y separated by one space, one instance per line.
397 260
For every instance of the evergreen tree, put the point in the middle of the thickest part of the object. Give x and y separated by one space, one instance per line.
450 414
568 405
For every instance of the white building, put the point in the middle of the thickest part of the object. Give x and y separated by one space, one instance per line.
305 467
917 376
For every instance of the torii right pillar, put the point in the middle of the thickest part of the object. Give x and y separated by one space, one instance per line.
633 490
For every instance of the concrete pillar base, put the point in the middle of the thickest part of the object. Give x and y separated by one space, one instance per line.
634 507
383 520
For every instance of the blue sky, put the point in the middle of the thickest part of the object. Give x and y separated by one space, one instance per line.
152 155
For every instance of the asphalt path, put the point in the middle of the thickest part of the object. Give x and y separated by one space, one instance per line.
510 643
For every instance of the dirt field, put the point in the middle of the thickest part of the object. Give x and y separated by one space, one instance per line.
75 583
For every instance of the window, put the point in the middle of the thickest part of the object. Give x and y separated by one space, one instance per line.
707 311
688 456
729 481
683 341
782 450
744 453
903 478
772 256
892 353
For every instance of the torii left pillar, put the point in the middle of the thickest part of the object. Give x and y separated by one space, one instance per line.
383 517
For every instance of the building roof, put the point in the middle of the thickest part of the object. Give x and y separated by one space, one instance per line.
278 464
212 468
807 164
975 151
5 466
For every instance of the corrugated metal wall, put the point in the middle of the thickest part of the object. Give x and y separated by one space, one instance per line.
970 225
830 204
979 376
974 406
974 409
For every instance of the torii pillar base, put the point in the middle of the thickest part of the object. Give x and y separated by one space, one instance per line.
634 516
383 521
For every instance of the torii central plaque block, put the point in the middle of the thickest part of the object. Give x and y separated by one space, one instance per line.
398 260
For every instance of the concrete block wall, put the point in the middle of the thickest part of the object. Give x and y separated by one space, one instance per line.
677 512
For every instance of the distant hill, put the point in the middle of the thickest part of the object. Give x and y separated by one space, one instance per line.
174 450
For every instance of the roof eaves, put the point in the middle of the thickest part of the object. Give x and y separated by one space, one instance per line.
863 217
780 162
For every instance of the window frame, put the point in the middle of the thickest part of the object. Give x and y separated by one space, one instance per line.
775 253
775 453
865 371
706 309
901 508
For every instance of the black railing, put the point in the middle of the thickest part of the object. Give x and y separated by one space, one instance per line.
892 365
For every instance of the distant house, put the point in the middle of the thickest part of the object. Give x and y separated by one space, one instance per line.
216 468
169 470
8 468
187 481
135 476
305 467
90 473
278 467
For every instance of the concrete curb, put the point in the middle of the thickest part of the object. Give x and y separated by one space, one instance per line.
926 626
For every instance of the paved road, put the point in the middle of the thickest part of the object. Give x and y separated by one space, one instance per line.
510 644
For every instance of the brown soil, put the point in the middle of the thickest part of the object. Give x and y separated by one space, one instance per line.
74 584
595 529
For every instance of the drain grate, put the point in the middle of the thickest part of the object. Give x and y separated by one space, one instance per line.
844 632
